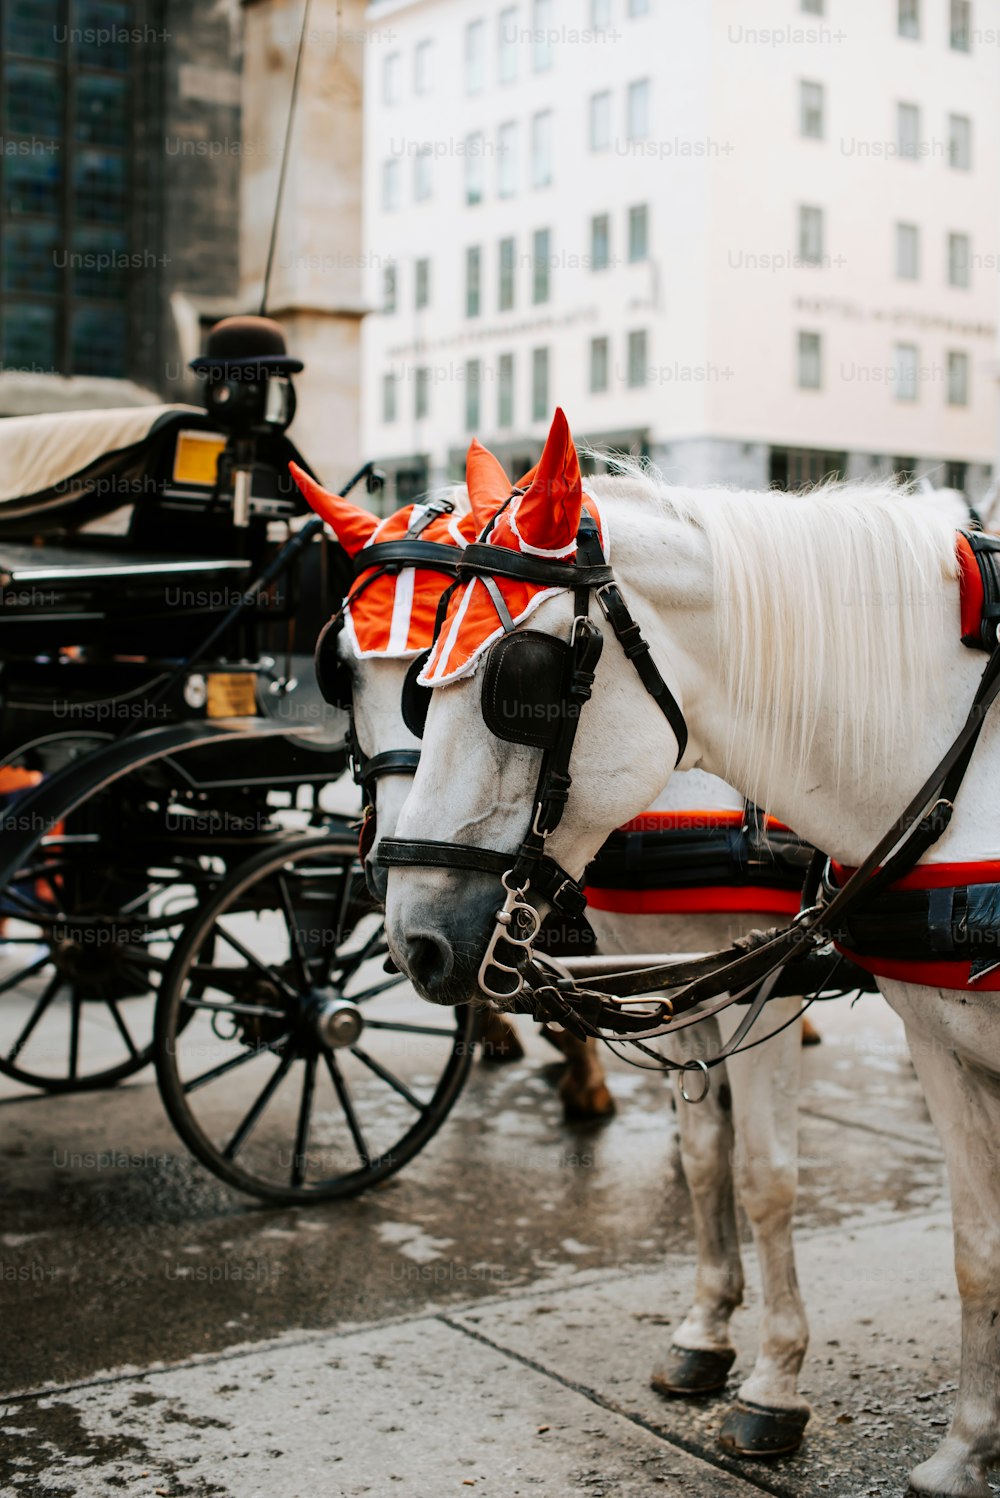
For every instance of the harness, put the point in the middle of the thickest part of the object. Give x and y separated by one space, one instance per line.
380 559
558 675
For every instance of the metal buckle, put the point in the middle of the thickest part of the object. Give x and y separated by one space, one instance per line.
513 908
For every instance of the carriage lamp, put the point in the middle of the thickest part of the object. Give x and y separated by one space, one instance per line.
249 392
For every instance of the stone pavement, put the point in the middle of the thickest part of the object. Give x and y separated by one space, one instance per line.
485 1323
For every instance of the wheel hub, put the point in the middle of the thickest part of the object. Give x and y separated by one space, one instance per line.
337 1022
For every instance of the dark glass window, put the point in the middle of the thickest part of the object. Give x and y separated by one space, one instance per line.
66 71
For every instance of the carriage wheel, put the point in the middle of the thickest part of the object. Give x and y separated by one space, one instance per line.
291 1065
84 945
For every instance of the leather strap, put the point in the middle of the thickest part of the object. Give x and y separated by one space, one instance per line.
561 891
496 561
408 551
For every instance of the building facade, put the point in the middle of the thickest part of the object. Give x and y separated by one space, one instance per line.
760 247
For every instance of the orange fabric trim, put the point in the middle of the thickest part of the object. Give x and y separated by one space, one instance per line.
970 584
697 820
708 900
936 875
931 974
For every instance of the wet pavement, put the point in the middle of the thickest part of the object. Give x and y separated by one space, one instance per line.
485 1321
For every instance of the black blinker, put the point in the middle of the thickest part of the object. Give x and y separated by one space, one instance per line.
416 699
332 675
526 688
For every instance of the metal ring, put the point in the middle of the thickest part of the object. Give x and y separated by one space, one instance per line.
706 1079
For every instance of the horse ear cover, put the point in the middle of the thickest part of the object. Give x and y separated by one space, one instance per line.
547 516
351 525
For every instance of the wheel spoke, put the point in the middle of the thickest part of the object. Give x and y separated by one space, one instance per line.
404 1029
254 1011
394 1082
122 1027
298 951
255 1113
305 1117
74 1032
15 978
256 962
43 1003
347 1103
376 988
353 960
234 1061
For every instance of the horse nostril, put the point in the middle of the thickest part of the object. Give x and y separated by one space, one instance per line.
429 960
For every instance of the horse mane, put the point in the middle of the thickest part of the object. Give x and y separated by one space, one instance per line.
838 594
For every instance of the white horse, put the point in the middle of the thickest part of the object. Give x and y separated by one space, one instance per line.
813 643
745 1134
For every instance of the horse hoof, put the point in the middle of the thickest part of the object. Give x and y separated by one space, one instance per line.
753 1430
499 1040
693 1370
588 1104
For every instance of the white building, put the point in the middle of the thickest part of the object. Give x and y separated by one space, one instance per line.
760 243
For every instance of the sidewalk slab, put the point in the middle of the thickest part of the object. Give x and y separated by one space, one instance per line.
419 1410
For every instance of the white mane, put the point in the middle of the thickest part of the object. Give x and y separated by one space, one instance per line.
839 593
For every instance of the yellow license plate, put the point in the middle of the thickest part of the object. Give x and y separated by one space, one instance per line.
231 694
196 457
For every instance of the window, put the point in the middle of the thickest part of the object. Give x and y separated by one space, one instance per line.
905 357
507 160
539 384
810 361
421 393
598 365
958 378
908 18
505 291
813 7
794 468
959 260
388 398
638 7
541 257
907 252
422 174
507 44
475 168
389 289
541 35
956 474
638 233
392 77
422 67
473 391
637 110
600 14
636 360
473 271
600 121
541 149
908 129
961 26
960 142
811 110
391 171
422 284
66 157
475 56
505 390
811 236
600 242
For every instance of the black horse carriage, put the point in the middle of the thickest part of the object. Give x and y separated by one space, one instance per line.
178 870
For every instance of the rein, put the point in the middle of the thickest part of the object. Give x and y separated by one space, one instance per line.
751 970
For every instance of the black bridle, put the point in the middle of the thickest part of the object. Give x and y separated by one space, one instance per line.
751 970
556 675
381 559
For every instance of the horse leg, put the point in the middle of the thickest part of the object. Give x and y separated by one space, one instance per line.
702 1353
498 1037
964 1102
583 1087
771 1414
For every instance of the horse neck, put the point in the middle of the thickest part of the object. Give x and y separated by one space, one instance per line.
838 804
